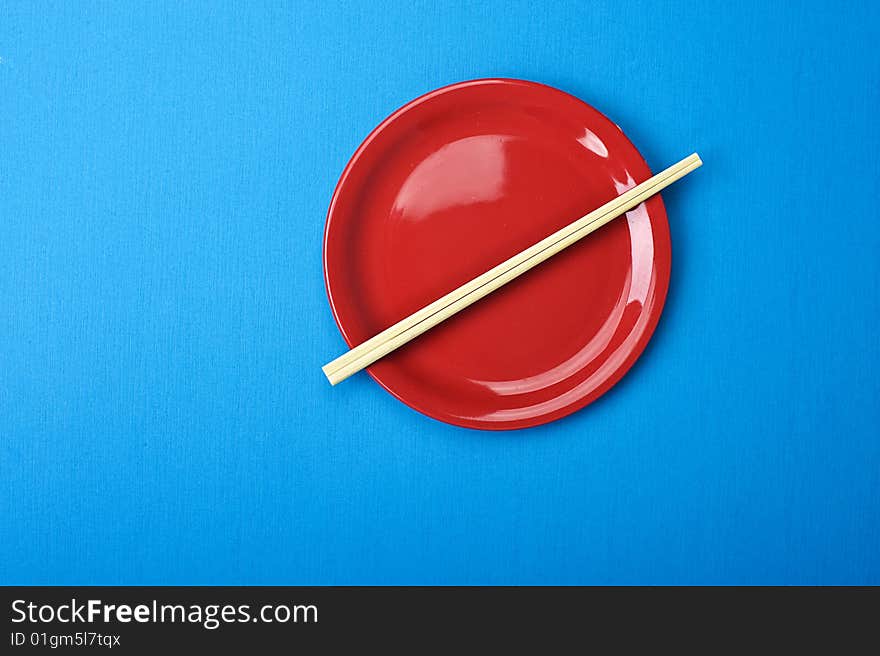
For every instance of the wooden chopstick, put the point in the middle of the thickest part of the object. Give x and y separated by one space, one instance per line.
403 331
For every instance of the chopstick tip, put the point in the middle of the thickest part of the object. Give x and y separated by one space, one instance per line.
329 374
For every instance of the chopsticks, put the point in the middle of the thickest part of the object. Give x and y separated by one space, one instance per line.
418 322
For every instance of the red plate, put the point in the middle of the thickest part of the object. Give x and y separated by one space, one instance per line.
456 182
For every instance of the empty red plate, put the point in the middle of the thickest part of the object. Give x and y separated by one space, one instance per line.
456 182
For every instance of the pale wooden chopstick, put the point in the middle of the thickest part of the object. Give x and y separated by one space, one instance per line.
403 331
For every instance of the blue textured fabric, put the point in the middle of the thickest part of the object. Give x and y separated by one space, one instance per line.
165 171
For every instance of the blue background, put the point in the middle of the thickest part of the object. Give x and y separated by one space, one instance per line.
164 177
